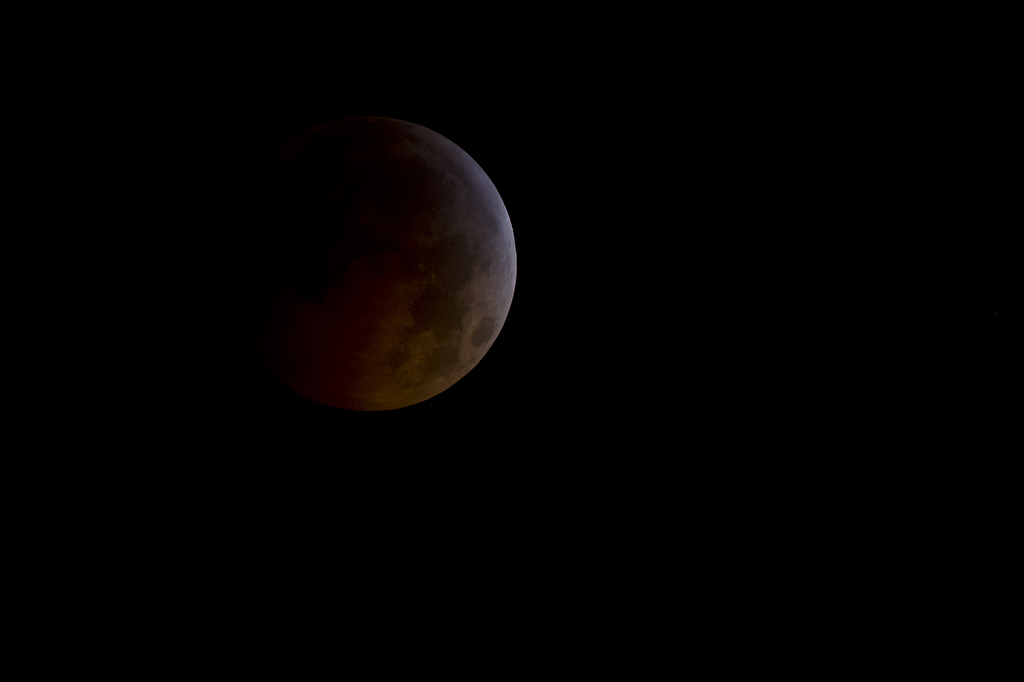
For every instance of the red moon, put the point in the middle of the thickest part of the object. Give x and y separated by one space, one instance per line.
398 264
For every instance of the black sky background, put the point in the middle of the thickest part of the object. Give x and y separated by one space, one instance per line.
754 357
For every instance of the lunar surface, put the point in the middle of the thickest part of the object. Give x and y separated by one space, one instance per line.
395 264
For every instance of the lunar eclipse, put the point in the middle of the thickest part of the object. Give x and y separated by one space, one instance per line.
393 264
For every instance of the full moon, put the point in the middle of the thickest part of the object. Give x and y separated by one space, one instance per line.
394 264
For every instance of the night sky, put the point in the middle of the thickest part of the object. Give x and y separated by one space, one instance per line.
755 350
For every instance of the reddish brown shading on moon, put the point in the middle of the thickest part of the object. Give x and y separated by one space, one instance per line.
399 265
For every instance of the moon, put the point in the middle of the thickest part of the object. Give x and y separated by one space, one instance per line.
393 264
